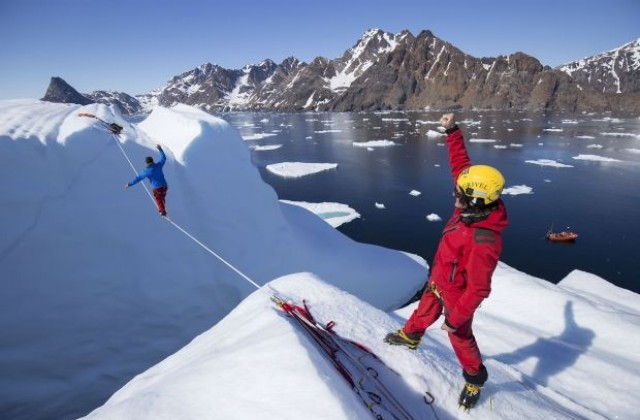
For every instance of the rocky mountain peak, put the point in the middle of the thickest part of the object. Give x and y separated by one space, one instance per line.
127 104
289 64
60 91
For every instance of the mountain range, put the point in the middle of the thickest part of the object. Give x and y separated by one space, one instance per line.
386 71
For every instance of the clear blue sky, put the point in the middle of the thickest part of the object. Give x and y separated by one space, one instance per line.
136 46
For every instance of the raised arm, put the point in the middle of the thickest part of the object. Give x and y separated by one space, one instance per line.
458 156
163 157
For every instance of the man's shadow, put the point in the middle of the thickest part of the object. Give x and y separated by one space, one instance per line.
554 354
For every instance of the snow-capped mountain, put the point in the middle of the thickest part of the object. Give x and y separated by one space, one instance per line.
290 85
392 71
614 71
127 103
402 71
204 87
368 51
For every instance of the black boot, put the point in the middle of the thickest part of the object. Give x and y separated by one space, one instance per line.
471 392
469 396
400 338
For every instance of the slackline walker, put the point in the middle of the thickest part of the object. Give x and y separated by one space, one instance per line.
113 128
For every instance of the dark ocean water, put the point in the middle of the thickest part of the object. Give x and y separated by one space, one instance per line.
597 199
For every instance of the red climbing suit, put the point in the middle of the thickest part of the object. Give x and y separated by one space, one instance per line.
461 271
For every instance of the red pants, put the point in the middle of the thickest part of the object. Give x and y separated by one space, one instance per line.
462 339
159 195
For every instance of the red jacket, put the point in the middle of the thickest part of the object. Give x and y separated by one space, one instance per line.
467 254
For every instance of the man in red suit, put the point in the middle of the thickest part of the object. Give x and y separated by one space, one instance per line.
466 257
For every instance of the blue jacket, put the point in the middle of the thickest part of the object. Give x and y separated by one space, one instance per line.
153 172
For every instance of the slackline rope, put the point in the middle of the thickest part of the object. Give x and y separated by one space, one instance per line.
206 248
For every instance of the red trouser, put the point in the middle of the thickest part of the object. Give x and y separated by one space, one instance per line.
159 195
462 339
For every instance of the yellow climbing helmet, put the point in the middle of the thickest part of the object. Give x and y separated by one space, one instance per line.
481 181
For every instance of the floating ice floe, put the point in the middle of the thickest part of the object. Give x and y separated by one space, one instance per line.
517 190
433 217
483 141
633 150
468 122
415 193
299 169
434 134
396 119
596 158
335 214
594 146
380 206
267 147
608 119
374 143
549 162
257 136
621 135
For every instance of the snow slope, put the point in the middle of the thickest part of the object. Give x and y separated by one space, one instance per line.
92 278
91 273
576 359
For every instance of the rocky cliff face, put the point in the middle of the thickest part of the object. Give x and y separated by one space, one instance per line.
61 91
402 71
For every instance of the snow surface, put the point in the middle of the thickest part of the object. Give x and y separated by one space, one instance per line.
577 358
553 351
215 193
